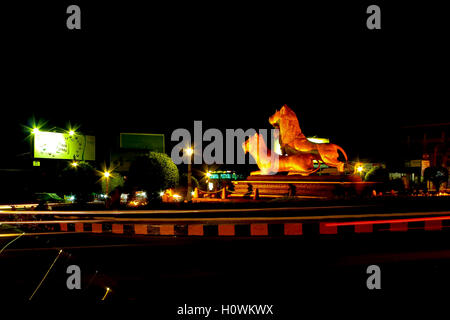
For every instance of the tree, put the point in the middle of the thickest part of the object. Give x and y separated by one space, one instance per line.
115 181
184 181
153 173
377 174
80 180
437 176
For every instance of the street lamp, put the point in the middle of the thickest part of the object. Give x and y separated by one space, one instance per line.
208 176
74 164
71 132
360 169
189 152
34 131
107 174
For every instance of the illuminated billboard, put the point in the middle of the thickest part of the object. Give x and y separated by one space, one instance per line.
52 145
142 141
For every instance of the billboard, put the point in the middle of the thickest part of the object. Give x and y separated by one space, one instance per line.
142 141
53 145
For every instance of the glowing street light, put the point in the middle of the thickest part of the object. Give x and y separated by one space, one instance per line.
189 151
74 164
359 168
71 132
107 175
35 130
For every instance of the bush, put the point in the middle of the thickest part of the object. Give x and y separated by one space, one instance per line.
153 173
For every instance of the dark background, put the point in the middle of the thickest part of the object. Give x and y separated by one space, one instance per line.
160 66
156 67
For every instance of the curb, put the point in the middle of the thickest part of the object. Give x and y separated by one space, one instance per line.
261 229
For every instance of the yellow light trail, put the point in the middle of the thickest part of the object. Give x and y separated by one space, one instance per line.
20 235
8 235
125 212
234 219
106 293
45 276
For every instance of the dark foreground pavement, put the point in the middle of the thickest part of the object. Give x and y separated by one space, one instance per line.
325 274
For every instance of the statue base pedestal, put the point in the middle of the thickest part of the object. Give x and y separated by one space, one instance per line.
315 187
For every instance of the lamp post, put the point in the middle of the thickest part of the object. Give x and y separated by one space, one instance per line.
107 174
189 153
360 169
34 131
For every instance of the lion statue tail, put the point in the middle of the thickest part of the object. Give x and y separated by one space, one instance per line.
314 170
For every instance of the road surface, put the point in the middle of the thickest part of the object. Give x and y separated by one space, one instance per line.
324 274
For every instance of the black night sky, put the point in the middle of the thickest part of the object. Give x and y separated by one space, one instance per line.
158 68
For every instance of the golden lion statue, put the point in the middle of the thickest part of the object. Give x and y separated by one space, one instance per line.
293 141
269 163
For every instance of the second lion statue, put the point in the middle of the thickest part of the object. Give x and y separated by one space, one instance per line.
270 163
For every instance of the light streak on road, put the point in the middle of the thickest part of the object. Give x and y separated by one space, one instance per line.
106 293
45 276
17 206
365 222
17 238
218 211
444 215
54 221
9 235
